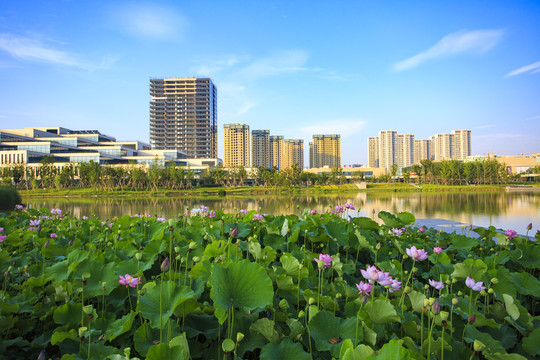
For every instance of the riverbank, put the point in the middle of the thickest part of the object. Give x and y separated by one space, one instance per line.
258 190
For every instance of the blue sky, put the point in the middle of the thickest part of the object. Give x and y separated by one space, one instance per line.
295 67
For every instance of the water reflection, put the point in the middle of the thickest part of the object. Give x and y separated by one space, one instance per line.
511 211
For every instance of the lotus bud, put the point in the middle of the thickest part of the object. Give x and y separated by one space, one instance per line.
171 223
478 346
491 291
426 286
414 269
320 264
460 293
454 301
178 258
483 293
138 256
378 247
192 245
239 337
41 355
165 265
196 259
444 315
431 301
436 307
448 282
70 242
426 302
454 281
301 314
311 301
471 319
494 281
529 227
46 245
283 304
233 232
109 243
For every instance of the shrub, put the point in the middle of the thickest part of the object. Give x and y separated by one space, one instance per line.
9 197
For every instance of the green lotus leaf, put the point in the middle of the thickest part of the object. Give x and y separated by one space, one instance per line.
361 352
266 328
68 314
120 326
366 223
165 352
328 330
241 284
286 350
362 242
381 312
392 350
145 337
511 308
473 268
165 296
59 336
99 274
244 230
530 343
337 231
526 283
462 242
417 300
406 218
492 345
390 220
499 356
57 272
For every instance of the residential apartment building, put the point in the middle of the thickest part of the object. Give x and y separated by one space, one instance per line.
404 150
325 150
293 153
260 148
236 145
373 151
183 116
462 144
277 145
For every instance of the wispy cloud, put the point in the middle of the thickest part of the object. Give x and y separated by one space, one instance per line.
32 49
483 126
461 42
278 63
150 21
532 68
345 127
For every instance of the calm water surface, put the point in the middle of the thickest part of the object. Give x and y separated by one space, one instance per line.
503 210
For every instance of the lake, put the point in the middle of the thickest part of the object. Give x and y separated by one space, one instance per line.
503 210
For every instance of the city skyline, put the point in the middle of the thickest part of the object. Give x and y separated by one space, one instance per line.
412 66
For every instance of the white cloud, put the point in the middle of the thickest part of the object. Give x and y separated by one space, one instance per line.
345 127
150 21
483 126
210 68
31 49
279 63
533 68
461 42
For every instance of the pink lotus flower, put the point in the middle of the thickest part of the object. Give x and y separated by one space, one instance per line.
32 228
160 219
437 250
85 217
325 258
313 212
371 274
243 211
53 236
2 237
417 254
257 217
476 286
422 229
349 206
34 222
384 279
129 280
56 211
395 286
19 207
211 214
397 232
364 288
338 209
1 229
511 234
436 284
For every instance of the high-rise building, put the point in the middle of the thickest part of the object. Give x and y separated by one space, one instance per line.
236 145
293 153
325 150
391 148
443 146
373 151
421 150
260 148
387 148
276 150
462 144
183 116
404 150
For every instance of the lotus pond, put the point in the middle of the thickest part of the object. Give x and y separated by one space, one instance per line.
211 285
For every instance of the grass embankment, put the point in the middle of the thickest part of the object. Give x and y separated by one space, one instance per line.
258 190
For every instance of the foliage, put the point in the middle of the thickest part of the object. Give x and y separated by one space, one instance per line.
215 285
9 197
